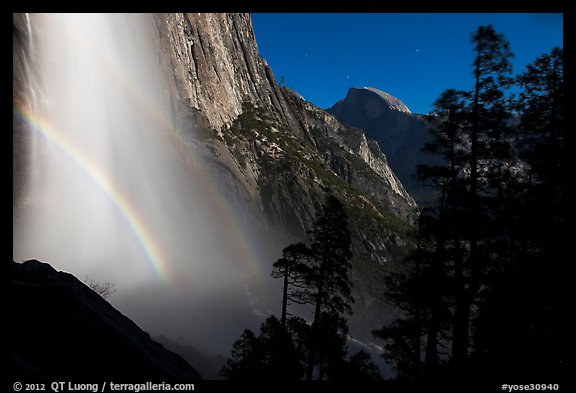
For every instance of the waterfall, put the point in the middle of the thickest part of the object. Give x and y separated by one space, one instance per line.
100 157
116 193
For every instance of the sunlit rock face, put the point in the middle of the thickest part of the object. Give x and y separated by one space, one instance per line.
215 61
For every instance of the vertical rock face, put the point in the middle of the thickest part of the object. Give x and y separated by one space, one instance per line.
217 70
215 61
280 154
400 134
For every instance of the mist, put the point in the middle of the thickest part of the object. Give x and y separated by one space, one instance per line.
117 194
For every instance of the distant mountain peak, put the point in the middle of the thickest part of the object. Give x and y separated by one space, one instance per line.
400 134
388 100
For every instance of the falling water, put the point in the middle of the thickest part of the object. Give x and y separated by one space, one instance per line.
113 195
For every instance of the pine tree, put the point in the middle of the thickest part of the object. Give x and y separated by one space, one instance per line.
359 367
292 269
271 355
488 148
520 325
445 226
457 245
541 142
328 276
246 358
316 275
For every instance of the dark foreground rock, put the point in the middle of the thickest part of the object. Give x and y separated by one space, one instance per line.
61 330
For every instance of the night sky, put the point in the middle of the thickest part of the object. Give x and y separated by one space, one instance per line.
411 56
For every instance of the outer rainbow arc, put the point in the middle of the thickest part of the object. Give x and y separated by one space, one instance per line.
142 233
147 99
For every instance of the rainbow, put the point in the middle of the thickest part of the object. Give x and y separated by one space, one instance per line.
227 214
137 224
57 139
148 100
220 205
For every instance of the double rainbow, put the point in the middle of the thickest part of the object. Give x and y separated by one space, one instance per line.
135 219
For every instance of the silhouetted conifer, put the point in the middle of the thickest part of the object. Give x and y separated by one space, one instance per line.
328 281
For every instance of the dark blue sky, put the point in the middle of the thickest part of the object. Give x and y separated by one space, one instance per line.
411 56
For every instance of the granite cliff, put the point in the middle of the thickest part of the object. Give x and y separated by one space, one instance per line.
400 133
282 151
279 154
